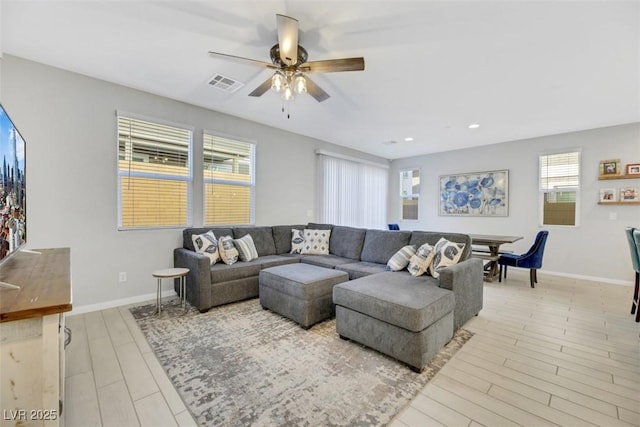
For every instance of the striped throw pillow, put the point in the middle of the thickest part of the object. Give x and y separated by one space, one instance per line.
400 259
246 248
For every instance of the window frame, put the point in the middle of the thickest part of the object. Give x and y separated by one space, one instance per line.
152 175
210 180
577 190
411 171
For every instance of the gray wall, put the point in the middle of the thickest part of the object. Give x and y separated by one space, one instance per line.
69 123
597 248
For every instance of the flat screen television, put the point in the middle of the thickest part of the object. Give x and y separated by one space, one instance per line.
13 198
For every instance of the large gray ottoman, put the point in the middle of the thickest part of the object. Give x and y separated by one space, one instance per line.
396 314
300 292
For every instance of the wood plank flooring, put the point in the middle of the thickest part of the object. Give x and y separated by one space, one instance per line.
565 353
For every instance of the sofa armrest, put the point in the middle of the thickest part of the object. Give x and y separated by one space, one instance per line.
199 277
465 279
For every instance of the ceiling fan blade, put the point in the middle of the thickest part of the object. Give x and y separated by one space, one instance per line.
333 65
316 91
240 58
262 89
288 39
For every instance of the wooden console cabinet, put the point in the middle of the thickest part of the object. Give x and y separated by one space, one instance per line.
32 337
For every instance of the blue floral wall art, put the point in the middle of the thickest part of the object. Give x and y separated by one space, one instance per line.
475 194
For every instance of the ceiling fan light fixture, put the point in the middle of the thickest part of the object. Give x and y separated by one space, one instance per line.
287 94
278 81
299 83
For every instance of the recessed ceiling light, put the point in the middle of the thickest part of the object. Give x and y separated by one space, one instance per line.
408 139
474 126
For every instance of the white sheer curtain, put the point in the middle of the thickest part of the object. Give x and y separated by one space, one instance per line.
352 193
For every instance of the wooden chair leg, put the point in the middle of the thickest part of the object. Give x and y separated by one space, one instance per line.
535 275
500 274
636 290
505 271
532 275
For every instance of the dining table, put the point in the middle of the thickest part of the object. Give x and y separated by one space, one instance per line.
493 243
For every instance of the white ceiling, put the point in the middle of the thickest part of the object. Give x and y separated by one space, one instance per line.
519 69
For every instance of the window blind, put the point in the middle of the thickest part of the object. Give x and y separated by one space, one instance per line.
560 171
154 174
229 184
351 193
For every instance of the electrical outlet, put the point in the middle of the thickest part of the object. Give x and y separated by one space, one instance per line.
122 276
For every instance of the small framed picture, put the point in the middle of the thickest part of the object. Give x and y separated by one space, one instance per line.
629 194
610 167
608 195
633 169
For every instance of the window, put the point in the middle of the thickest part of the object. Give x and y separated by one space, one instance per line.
409 193
229 181
154 174
352 193
560 188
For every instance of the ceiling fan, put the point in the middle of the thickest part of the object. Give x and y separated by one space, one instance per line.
289 60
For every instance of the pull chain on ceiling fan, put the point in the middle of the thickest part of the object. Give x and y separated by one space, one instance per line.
289 60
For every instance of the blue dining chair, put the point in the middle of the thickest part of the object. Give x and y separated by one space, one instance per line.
394 227
633 236
531 260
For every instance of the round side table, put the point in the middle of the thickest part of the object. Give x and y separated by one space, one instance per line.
172 273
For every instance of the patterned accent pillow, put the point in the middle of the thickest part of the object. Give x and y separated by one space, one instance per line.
228 251
421 261
246 248
297 241
207 244
316 242
447 254
401 259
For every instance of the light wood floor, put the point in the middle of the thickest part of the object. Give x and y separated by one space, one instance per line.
564 353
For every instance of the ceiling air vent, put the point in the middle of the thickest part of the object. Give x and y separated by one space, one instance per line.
225 83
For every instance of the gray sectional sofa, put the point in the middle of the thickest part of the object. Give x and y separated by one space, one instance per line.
361 253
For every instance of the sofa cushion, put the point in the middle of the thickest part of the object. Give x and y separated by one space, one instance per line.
316 242
207 244
316 226
275 260
412 303
400 259
282 237
381 245
360 269
327 261
262 238
347 241
246 248
187 240
221 273
446 254
228 251
419 238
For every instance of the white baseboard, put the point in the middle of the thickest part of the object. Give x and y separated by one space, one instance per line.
118 302
587 278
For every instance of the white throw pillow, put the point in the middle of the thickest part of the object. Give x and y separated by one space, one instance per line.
207 244
228 251
297 241
246 248
420 262
446 254
401 259
316 242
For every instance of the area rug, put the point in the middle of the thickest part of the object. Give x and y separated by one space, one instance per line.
241 365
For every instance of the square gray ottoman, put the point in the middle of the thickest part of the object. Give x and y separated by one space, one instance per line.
300 292
401 316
